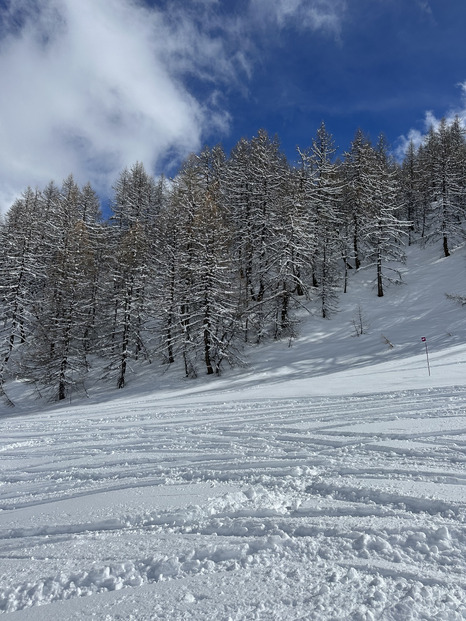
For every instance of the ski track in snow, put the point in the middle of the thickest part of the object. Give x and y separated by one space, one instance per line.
306 508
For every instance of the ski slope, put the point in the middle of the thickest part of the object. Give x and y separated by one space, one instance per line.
326 481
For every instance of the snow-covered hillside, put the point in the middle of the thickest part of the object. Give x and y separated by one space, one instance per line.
325 481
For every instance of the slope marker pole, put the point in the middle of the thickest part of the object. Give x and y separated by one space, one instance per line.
424 340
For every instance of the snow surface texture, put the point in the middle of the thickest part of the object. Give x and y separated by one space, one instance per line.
325 482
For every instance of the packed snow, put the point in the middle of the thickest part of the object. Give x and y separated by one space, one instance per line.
325 481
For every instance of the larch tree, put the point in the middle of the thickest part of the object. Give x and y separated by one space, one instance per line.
169 246
255 184
447 200
412 196
357 195
383 230
202 320
56 358
323 191
129 303
214 310
22 276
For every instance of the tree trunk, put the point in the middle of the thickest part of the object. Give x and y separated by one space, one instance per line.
379 276
446 250
125 339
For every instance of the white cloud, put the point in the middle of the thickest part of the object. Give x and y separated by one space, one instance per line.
95 86
324 15
417 136
403 142
425 7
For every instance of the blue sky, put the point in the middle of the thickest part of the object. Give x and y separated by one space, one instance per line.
95 85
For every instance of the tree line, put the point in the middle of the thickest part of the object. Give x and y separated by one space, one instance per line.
190 269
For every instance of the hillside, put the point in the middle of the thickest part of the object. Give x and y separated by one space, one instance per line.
326 480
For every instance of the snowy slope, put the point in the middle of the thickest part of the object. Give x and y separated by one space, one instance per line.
326 481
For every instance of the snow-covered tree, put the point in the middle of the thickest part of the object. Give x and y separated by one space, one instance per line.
255 193
130 265
61 315
357 194
412 194
22 275
323 193
444 165
383 229
199 295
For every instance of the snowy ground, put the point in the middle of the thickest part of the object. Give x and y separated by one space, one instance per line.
327 481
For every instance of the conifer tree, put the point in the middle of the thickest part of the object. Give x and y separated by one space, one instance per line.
167 264
22 275
56 357
323 189
411 191
201 303
383 229
357 171
129 304
444 163
255 183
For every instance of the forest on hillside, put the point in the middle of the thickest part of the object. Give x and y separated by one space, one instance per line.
190 269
